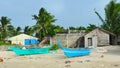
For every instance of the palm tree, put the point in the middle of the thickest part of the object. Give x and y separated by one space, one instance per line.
90 27
18 29
81 28
26 29
4 22
112 17
38 31
44 20
10 30
72 28
58 29
0 33
29 30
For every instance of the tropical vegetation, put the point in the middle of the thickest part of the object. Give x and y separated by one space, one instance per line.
112 17
44 25
54 47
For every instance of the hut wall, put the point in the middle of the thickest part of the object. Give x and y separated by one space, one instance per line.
93 36
20 42
98 38
67 40
103 38
118 40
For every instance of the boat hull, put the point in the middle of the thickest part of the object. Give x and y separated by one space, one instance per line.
31 51
76 53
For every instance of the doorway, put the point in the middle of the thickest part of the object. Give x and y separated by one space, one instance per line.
89 41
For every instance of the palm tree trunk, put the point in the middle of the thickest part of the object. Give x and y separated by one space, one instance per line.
46 39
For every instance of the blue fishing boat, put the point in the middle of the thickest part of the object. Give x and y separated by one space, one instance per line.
70 52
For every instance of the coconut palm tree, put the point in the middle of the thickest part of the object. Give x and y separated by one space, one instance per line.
29 30
0 33
81 28
26 29
112 17
43 21
58 29
4 22
18 30
38 30
90 27
10 30
72 28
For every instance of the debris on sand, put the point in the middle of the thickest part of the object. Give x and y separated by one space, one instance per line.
87 60
80 61
67 62
66 66
116 65
102 56
1 60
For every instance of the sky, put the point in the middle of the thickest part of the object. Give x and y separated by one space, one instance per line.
67 12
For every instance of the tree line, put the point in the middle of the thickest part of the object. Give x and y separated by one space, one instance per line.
44 25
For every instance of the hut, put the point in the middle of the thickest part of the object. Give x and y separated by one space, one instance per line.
99 37
23 39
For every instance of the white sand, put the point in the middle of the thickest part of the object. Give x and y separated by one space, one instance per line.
101 57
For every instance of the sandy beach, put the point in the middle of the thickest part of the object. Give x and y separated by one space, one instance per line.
100 57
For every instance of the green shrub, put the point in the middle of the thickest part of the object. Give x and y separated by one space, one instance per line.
4 43
55 47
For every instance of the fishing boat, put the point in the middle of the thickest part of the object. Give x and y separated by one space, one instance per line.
30 50
72 52
11 48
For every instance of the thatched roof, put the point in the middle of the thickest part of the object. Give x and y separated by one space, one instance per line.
108 32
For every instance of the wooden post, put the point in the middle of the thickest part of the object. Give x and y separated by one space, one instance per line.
67 40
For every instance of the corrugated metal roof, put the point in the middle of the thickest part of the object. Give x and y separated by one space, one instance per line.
22 37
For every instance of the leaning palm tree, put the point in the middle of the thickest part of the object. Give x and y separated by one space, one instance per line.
112 17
